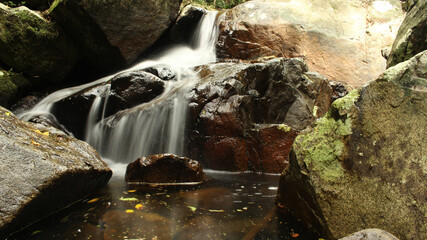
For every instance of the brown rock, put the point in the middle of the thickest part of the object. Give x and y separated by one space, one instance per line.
164 169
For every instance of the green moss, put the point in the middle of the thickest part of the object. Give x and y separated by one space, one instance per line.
218 4
7 88
284 127
322 148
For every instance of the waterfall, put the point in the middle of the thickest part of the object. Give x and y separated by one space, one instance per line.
154 127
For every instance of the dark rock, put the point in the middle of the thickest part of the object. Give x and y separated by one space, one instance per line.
411 38
35 46
370 234
123 91
363 164
164 169
233 97
162 72
338 90
42 171
183 28
257 29
10 85
114 33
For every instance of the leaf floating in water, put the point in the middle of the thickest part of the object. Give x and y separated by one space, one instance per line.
216 210
139 206
192 208
35 143
131 191
93 200
128 199
129 211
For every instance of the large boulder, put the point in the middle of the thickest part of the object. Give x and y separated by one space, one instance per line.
237 108
370 234
114 33
363 165
35 46
411 38
10 84
165 169
340 39
42 170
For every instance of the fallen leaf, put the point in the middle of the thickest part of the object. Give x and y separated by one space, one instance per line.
139 206
215 210
35 143
295 235
128 199
129 211
131 191
192 208
7 113
93 200
46 133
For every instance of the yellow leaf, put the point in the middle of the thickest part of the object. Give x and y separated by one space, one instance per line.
131 191
93 200
215 210
37 131
139 206
192 208
37 144
128 199
7 113
129 211
46 133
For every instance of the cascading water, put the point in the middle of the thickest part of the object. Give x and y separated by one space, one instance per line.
153 127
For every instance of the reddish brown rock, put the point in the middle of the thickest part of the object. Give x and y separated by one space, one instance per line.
344 44
164 169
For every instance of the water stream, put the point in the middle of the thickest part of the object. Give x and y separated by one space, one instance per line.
227 206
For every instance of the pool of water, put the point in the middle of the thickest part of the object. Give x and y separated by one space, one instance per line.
226 206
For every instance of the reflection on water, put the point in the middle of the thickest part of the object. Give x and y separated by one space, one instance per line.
226 206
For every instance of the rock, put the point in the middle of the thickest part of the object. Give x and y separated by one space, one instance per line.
10 84
363 164
124 90
35 46
165 169
236 107
411 38
42 171
186 23
324 33
370 234
114 33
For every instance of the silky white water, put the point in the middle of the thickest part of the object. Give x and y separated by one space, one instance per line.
154 127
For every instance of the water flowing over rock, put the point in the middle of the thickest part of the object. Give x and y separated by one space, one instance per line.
42 170
341 40
238 109
411 38
113 33
33 45
363 165
165 169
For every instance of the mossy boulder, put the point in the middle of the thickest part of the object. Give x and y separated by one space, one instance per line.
42 170
411 38
35 46
10 83
364 164
114 33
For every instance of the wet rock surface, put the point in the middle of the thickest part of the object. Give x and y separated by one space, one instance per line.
232 98
113 33
42 170
164 169
123 91
369 144
343 50
411 38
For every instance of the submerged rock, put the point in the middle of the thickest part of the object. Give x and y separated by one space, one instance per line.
35 46
114 33
363 165
411 38
237 107
340 39
164 169
42 170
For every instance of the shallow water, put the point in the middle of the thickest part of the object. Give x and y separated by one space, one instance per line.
226 206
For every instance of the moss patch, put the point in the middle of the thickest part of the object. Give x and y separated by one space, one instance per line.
9 86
